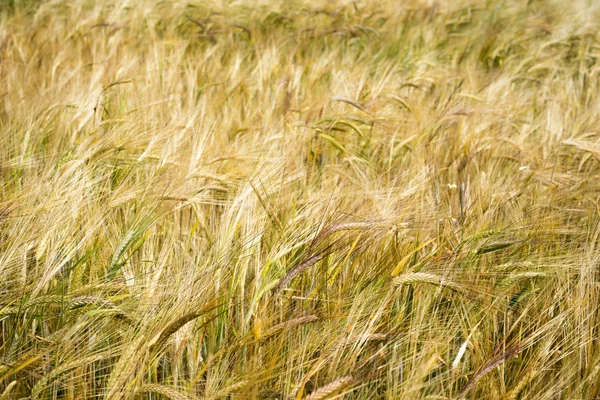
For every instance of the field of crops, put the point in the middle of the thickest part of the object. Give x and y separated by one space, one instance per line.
303 199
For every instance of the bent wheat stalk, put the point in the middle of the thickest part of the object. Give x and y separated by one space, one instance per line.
161 338
489 366
331 388
294 272
423 277
166 391
289 324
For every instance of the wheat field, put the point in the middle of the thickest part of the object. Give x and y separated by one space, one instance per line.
299 199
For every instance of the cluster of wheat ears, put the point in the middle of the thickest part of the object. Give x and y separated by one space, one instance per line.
299 199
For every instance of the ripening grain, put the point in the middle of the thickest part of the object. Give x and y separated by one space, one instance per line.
299 199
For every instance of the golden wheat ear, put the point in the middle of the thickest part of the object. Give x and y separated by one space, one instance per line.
260 199
331 388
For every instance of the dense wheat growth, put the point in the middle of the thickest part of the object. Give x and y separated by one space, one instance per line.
299 199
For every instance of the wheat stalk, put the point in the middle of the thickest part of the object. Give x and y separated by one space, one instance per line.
41 384
424 277
166 391
6 393
294 272
284 326
231 388
514 392
489 366
331 388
